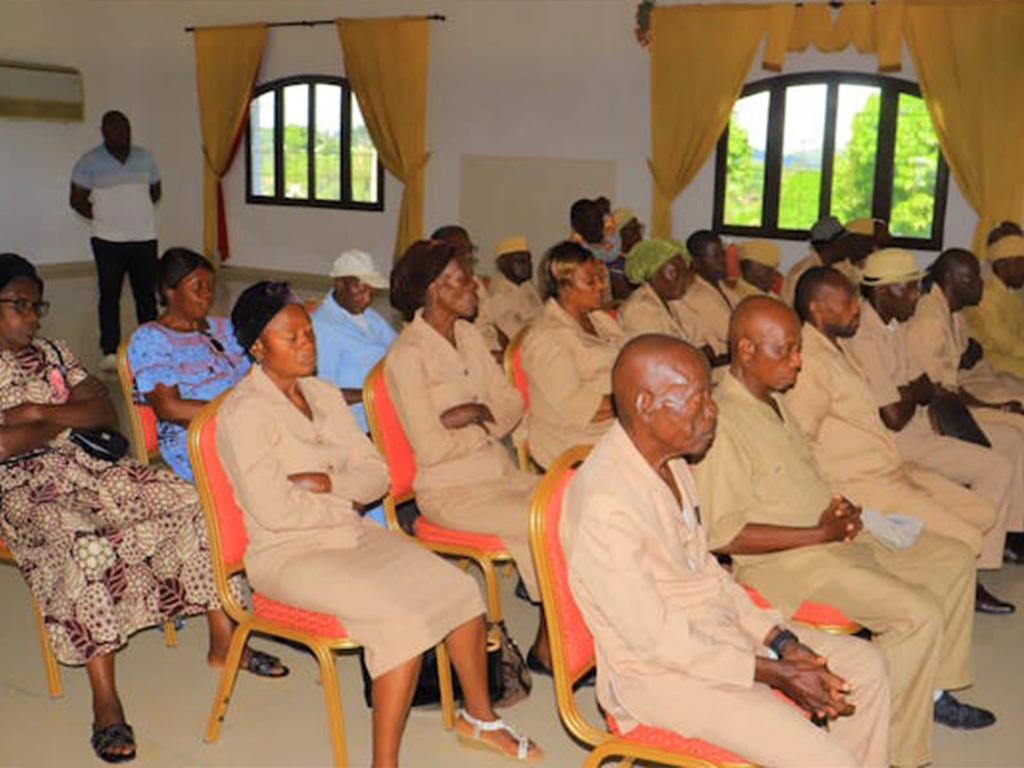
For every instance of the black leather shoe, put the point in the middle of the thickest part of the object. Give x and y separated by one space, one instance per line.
1013 552
986 602
955 714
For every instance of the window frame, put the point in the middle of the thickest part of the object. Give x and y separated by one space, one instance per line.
881 203
279 198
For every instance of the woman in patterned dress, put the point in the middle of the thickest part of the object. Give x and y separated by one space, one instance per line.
186 357
108 548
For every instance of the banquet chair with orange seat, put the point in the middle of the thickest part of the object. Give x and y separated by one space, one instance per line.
513 365
323 634
572 645
388 435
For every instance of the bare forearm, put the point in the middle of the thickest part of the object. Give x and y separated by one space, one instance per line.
897 415
179 411
95 413
760 539
24 438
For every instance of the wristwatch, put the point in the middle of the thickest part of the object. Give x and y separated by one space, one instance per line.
783 637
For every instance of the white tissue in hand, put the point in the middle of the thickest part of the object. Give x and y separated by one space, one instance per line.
894 530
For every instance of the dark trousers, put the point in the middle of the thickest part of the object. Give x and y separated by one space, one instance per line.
138 259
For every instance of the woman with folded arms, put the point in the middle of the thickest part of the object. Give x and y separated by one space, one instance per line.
301 470
108 547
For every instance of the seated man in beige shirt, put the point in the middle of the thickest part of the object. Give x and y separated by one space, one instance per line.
513 301
853 450
905 396
661 268
679 644
941 346
793 539
703 312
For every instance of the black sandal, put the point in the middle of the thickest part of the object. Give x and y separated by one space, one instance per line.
111 738
264 665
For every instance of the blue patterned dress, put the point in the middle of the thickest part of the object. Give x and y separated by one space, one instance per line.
201 364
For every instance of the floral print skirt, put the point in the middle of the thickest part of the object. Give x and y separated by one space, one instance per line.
106 548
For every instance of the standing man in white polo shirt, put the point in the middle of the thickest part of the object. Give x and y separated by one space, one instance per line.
115 186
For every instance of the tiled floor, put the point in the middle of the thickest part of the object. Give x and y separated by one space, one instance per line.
168 692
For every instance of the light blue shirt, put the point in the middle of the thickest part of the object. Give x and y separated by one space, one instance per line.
346 350
347 347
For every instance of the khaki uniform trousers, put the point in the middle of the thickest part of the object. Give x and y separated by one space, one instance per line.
943 506
1006 433
498 507
919 603
765 729
989 472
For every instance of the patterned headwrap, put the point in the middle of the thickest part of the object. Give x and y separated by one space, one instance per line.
421 265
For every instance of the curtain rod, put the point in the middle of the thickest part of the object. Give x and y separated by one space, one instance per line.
321 22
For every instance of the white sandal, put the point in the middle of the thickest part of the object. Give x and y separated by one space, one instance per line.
490 726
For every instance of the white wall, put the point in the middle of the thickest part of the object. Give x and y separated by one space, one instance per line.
512 78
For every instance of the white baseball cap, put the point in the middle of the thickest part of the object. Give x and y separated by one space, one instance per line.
355 263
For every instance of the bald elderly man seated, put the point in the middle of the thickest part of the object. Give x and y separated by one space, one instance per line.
679 644
794 539
853 450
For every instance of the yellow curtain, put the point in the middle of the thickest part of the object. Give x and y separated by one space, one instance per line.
970 63
700 56
227 62
386 66
870 28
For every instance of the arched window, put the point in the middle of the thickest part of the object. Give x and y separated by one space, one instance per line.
803 146
308 145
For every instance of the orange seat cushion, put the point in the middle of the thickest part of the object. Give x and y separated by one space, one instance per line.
432 533
321 624
809 612
670 741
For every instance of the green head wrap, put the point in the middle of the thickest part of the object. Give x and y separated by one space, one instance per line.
648 256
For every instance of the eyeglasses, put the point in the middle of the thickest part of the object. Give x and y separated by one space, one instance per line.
24 306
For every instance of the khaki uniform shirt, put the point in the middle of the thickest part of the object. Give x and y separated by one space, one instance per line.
645 312
938 337
656 601
883 354
758 470
833 403
569 372
262 437
426 376
704 312
511 307
998 325
744 289
483 321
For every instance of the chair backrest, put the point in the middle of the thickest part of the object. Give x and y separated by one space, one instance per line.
389 436
572 645
225 524
513 363
140 414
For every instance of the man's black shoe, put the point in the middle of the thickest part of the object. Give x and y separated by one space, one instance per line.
955 714
986 602
1013 552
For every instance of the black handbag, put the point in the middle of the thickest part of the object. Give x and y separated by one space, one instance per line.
104 444
954 419
508 678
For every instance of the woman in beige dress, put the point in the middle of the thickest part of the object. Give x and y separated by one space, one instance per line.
568 355
456 406
302 470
